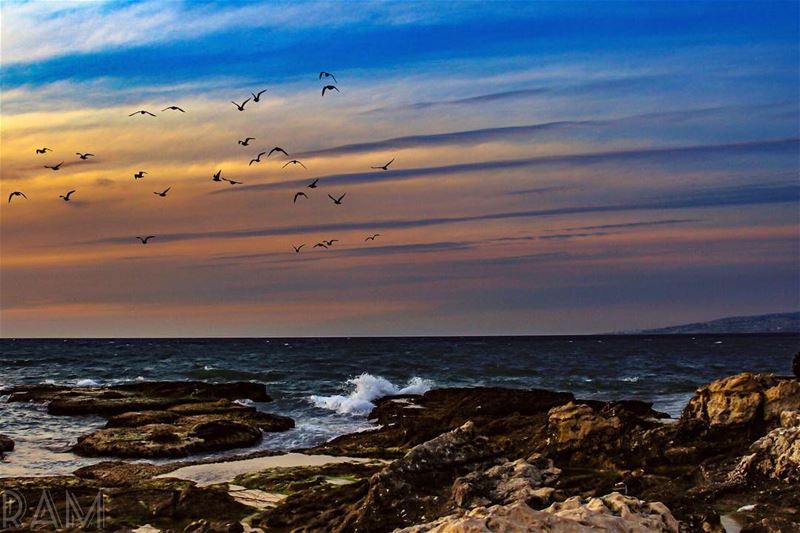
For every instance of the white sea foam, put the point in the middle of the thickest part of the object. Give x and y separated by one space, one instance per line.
366 389
631 379
87 383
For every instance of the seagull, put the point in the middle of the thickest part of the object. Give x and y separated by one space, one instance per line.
217 175
246 141
294 162
372 238
163 194
66 198
43 150
240 107
337 201
139 175
297 248
257 159
386 166
232 182
257 96
330 88
173 108
141 112
313 184
324 74
84 156
319 245
56 167
330 242
145 239
278 149
298 195
16 193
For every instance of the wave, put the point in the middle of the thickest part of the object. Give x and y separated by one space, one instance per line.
209 372
365 389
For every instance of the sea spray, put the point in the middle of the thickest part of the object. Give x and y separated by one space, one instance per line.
366 389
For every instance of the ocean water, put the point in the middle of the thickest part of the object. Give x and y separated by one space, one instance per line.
328 385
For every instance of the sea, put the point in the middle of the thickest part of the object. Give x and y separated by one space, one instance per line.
328 385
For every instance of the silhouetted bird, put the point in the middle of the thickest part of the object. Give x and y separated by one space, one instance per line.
319 245
217 175
141 112
173 108
324 74
372 238
294 162
247 140
386 166
240 107
56 167
163 193
66 198
16 193
145 239
84 156
337 201
313 184
330 242
297 248
232 182
257 159
298 195
278 149
43 150
330 88
139 175
257 96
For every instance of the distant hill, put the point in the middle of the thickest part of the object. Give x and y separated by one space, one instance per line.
773 323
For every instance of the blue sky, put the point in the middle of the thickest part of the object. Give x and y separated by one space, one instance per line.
562 167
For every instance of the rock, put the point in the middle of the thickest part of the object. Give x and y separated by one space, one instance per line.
528 481
6 444
776 455
747 401
291 480
612 513
796 365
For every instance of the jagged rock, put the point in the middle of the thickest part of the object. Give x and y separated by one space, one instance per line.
743 400
529 481
612 513
6 444
775 455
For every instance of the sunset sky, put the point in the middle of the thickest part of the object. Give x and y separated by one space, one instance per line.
562 167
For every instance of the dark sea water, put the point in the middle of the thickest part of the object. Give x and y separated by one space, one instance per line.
327 385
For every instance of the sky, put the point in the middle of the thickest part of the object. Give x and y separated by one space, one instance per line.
559 167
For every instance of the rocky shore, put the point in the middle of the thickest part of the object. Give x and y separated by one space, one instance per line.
450 460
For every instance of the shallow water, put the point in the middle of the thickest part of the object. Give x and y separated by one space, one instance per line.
327 385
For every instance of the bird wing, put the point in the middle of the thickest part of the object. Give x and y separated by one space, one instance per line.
166 108
252 161
11 196
323 90
390 162
249 138
331 197
342 196
334 78
69 193
149 113
302 165
134 113
234 103
287 164
261 92
167 190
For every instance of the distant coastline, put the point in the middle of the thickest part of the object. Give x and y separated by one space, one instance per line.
770 323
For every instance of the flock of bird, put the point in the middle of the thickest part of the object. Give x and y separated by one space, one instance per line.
217 176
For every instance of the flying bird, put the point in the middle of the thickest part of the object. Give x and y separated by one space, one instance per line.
139 175
372 238
145 239
240 107
43 150
298 195
173 108
141 112
313 184
330 242
56 167
232 182
16 193
246 141
330 88
324 74
294 162
257 159
84 156
297 248
257 96
217 177
337 201
278 149
319 245
66 198
163 194
386 166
